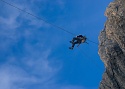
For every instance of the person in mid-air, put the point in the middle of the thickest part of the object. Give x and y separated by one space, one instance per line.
77 40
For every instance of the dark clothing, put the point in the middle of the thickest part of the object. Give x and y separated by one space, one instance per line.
79 36
78 40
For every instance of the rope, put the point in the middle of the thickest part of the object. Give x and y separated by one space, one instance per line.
93 42
37 17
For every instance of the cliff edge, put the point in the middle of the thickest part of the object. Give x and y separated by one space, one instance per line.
112 46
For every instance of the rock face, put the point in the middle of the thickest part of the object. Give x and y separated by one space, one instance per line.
112 46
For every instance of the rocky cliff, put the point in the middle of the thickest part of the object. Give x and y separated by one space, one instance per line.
112 46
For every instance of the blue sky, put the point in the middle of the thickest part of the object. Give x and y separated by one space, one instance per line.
35 55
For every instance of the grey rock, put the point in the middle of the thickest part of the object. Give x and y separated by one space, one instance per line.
112 46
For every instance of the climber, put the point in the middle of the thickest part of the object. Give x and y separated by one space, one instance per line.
77 40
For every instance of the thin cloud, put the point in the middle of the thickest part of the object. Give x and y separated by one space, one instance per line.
13 15
34 71
27 64
33 65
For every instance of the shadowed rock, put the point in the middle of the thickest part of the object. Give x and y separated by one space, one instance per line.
112 46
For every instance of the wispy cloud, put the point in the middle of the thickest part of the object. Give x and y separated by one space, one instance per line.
21 73
13 77
14 22
26 56
12 18
33 65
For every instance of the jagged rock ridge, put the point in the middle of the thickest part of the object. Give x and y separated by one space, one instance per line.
112 46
